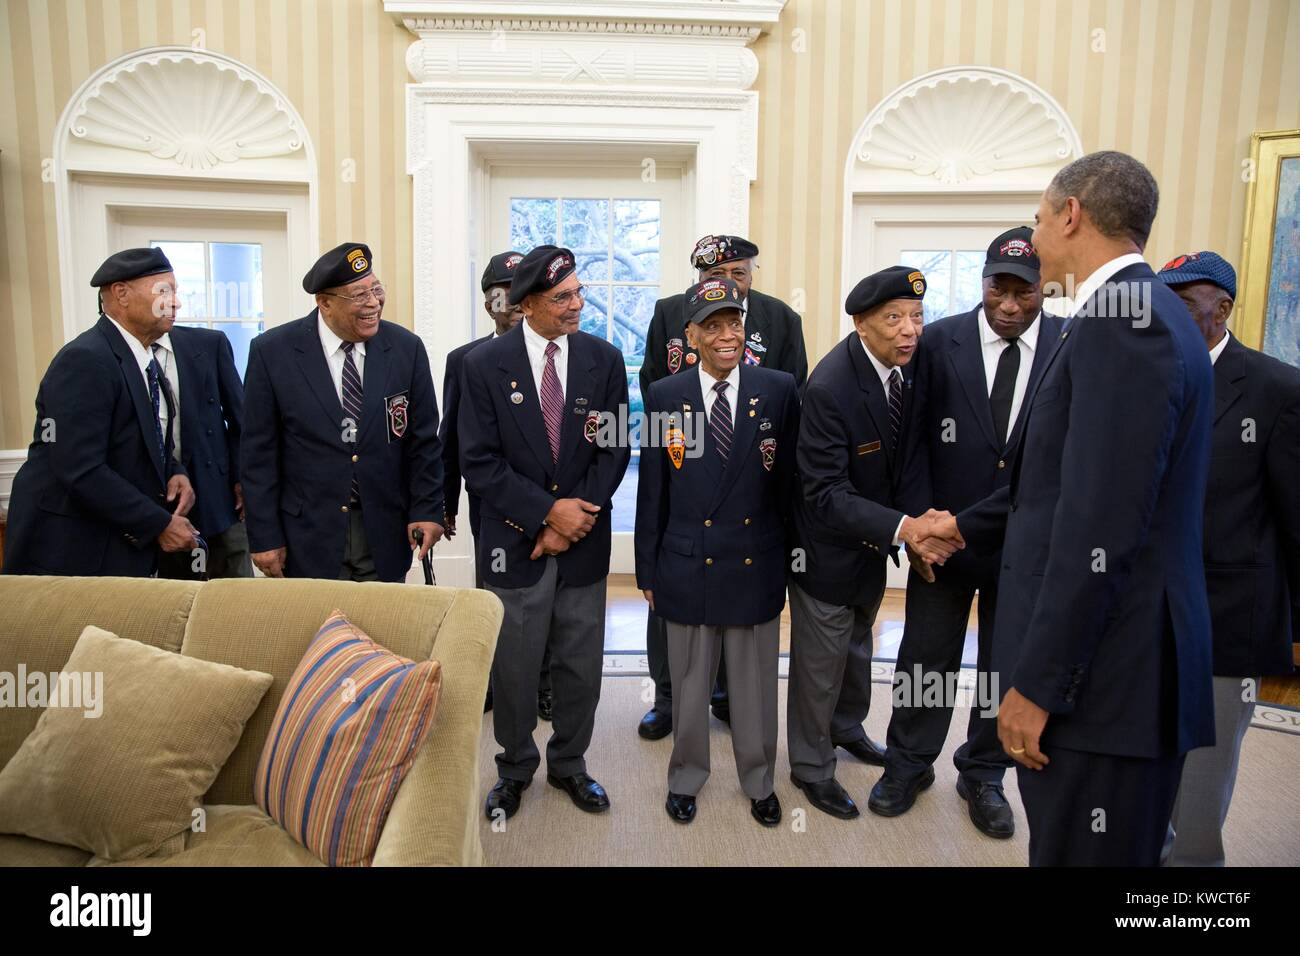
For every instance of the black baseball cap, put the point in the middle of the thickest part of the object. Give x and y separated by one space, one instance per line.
1012 253
501 269
711 295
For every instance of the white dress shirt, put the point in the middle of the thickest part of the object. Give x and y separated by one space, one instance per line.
172 372
993 346
1104 273
1218 349
536 346
884 371
707 382
332 345
142 355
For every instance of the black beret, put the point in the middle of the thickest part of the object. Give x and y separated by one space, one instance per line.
896 282
711 295
130 264
1012 253
501 269
543 268
341 265
714 250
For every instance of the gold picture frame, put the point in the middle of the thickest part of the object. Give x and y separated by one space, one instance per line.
1268 152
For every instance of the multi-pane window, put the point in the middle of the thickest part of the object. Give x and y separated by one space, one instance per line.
952 277
220 287
616 243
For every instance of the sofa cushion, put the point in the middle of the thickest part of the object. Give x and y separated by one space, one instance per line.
124 782
24 851
232 836
348 726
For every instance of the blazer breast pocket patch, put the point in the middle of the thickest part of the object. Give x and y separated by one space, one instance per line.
866 448
767 447
397 410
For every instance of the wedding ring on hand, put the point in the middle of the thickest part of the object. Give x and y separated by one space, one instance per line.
1017 750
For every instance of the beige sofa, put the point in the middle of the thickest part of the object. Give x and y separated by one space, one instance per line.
266 625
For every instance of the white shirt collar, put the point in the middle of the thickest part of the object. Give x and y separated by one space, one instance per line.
1104 273
1218 349
881 368
538 341
331 342
142 354
989 337
166 342
707 381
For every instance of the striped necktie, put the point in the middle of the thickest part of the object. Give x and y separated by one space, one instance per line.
895 407
351 395
155 397
552 402
720 421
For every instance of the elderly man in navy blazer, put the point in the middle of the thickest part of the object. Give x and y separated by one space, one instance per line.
341 463
710 534
205 427
973 373
100 492
1102 635
1252 546
540 448
854 438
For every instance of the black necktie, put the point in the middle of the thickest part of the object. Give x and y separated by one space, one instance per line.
155 397
352 404
169 433
1004 389
895 407
720 421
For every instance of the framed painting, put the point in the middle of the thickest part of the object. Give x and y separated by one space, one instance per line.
1269 296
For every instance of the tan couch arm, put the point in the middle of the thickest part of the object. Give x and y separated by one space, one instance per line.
434 819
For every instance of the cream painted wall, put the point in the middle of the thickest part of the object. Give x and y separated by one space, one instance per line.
1181 84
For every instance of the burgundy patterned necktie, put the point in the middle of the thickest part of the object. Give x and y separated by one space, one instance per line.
351 394
552 402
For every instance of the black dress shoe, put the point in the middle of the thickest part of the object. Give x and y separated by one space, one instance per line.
828 796
545 704
866 750
655 726
585 793
892 796
505 796
722 712
487 701
681 807
766 811
988 807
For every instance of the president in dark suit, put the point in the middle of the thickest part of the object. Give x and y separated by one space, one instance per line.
205 426
773 339
973 373
1252 546
541 448
100 492
854 437
340 458
710 543
1102 636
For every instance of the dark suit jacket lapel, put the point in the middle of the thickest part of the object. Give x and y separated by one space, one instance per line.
528 412
374 383
968 362
137 389
1049 338
690 402
579 399
314 368
1228 370
876 401
192 381
742 436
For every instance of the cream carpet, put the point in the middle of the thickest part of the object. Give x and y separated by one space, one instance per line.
1263 827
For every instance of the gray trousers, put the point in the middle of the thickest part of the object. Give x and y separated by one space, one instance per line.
358 562
570 621
693 653
1209 775
830 681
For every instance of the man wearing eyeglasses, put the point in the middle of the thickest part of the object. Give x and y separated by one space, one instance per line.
341 460
773 339
536 446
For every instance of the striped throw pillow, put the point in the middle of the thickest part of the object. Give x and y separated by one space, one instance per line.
346 732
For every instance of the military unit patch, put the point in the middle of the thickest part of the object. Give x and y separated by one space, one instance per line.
674 356
590 426
397 411
767 447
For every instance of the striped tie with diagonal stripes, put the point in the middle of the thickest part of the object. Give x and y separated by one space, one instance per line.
895 406
552 402
352 404
720 421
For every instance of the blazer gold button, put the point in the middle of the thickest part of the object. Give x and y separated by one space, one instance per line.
708 560
747 521
1002 463
708 522
749 560
555 487
355 459
344 509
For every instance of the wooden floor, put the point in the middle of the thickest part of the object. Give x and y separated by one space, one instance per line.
625 631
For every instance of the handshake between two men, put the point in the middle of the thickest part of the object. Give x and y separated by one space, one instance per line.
931 539
567 523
